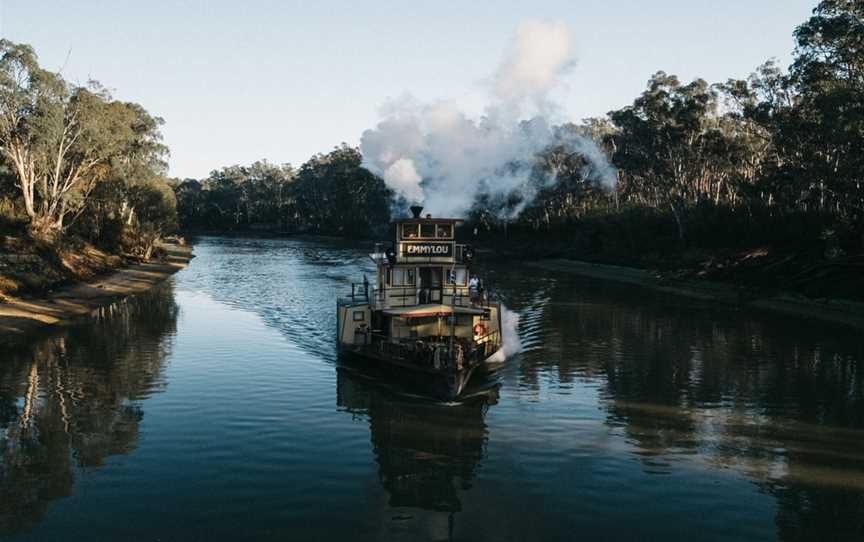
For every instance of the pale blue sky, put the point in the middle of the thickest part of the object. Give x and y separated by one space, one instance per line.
244 80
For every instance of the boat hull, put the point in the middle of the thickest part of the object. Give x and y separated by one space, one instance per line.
442 385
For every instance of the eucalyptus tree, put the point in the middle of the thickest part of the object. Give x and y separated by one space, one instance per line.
269 190
334 194
810 120
756 109
663 144
191 204
62 140
828 125
566 177
237 197
31 99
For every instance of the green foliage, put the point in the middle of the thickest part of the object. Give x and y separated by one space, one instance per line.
775 158
74 160
237 198
330 194
764 153
335 195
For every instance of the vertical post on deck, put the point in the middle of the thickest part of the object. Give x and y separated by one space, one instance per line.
453 325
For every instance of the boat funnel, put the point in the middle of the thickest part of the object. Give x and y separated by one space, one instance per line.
416 210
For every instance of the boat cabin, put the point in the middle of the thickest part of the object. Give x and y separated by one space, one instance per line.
425 305
425 264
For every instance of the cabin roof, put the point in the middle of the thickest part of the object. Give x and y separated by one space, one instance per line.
456 221
421 311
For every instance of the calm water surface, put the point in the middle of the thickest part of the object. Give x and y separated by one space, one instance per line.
215 408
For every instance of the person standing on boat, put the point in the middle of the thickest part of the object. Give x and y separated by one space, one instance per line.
473 284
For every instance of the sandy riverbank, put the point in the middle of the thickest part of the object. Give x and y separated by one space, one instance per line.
20 317
830 310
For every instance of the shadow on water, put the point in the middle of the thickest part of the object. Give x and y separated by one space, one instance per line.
73 399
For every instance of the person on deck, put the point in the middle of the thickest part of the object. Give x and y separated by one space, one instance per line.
472 288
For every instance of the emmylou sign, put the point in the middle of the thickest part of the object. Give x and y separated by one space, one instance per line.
427 250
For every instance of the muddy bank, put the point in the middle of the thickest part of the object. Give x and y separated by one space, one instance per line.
830 310
21 317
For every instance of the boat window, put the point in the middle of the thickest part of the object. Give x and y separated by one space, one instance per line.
427 231
403 276
410 231
445 231
359 316
459 274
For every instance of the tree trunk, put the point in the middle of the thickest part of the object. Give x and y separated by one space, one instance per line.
678 220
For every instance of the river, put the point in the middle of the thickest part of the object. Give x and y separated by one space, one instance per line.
215 408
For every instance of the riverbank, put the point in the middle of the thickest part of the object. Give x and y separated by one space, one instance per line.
22 316
838 311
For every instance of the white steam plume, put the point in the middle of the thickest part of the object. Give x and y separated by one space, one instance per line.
540 55
435 155
512 344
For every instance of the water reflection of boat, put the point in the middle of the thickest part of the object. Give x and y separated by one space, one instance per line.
427 314
427 453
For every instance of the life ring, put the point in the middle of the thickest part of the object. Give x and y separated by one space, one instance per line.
479 330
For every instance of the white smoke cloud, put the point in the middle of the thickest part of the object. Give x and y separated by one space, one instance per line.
435 155
403 178
512 344
540 55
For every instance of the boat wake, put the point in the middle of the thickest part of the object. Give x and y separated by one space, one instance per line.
290 284
512 344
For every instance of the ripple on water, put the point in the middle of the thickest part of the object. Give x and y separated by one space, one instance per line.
217 408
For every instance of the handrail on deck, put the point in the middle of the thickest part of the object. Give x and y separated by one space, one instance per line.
410 296
437 351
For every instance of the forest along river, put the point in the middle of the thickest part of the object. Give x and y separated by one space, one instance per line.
213 408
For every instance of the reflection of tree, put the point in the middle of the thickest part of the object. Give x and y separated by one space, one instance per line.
823 514
427 453
70 401
776 400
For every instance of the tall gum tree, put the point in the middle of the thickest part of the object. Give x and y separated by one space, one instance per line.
59 139
25 89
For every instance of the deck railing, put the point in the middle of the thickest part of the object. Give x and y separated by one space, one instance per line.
434 352
397 297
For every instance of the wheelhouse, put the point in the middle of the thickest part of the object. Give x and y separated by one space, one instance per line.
424 265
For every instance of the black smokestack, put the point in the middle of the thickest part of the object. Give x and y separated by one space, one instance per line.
416 210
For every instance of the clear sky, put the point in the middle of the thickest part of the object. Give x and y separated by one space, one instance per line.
240 81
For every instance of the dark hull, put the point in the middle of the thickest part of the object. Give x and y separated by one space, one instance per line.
442 385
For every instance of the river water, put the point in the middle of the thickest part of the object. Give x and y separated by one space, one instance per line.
215 408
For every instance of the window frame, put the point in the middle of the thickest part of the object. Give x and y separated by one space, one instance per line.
407 227
438 228
457 270
426 226
403 271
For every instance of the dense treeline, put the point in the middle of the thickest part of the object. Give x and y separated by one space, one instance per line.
76 164
775 158
330 194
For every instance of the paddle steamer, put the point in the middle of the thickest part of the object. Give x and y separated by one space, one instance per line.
426 314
